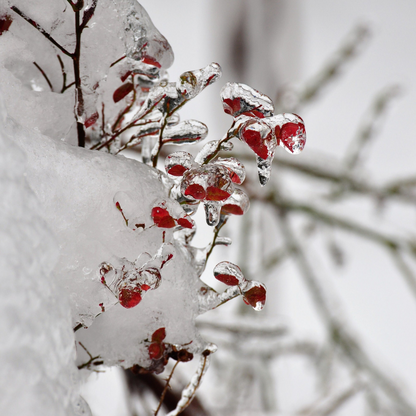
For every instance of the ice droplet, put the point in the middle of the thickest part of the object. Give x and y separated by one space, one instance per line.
235 167
229 273
177 163
212 212
191 83
237 204
264 168
240 99
293 134
254 294
186 132
258 135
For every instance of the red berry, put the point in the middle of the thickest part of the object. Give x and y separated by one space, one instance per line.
130 297
162 218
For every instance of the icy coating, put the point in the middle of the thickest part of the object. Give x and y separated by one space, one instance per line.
116 267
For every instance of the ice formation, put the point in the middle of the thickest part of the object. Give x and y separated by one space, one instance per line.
100 246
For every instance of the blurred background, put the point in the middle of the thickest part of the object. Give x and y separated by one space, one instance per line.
333 233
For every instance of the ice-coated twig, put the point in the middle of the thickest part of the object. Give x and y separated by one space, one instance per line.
367 130
213 299
330 405
189 392
331 69
337 329
167 385
243 329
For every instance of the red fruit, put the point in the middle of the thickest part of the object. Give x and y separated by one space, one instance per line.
145 287
162 218
228 279
185 223
159 335
177 170
231 209
196 191
122 91
130 297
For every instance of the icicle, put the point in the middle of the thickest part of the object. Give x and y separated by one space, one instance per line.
148 144
264 168
212 212
186 132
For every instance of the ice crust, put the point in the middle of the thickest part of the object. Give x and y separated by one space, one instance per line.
77 189
118 28
37 371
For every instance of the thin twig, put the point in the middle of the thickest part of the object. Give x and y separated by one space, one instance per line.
162 397
44 75
42 31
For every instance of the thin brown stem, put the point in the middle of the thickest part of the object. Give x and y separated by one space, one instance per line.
42 31
162 397
44 75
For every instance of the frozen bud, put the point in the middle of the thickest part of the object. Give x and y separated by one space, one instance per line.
176 164
235 167
191 83
185 132
130 296
240 99
161 216
237 204
259 137
254 294
229 273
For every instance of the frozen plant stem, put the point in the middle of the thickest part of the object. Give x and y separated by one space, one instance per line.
75 56
162 397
